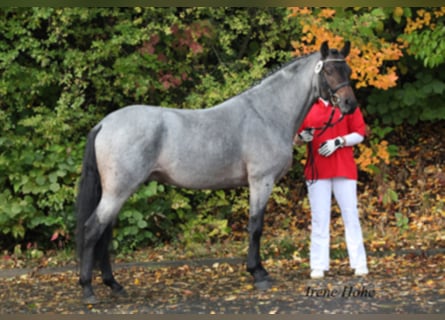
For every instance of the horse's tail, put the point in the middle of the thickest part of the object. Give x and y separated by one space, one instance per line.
90 190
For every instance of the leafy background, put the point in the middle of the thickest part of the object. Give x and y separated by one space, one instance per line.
64 69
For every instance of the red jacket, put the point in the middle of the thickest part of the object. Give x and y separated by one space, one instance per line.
341 163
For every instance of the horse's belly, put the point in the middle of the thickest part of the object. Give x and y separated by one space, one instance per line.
199 177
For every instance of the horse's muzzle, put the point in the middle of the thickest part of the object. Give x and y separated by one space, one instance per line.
349 106
345 100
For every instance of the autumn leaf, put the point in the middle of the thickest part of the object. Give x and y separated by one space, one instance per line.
55 236
366 59
326 13
401 283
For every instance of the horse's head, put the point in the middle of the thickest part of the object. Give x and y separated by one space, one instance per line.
334 78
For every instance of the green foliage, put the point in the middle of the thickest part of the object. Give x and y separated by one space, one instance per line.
39 188
424 36
204 229
420 99
428 46
402 221
64 69
418 95
138 219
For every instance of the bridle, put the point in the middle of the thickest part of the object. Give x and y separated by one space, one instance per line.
333 97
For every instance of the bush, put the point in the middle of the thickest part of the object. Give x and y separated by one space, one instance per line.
420 99
63 69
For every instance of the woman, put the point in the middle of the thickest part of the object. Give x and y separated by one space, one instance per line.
330 168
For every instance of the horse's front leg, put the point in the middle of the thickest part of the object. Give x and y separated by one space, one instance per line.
259 195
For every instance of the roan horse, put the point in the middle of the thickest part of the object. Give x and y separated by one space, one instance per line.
244 141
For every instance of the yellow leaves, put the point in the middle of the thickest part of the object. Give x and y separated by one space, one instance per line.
382 151
391 51
327 13
314 32
440 12
430 282
367 58
365 159
230 298
248 287
367 61
297 11
373 156
377 243
385 81
398 11
423 19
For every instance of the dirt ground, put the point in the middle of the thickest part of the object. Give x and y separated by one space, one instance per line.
396 284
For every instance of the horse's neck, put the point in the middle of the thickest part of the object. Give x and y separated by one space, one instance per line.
293 86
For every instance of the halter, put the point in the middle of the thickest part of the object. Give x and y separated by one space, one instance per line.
333 97
335 100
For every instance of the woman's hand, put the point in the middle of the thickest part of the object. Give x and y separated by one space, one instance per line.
328 147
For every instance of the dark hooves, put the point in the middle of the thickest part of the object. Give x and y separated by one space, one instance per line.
90 300
265 284
119 292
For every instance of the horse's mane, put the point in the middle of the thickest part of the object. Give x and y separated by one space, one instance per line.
273 71
283 66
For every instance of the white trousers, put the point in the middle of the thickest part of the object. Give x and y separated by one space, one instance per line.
320 195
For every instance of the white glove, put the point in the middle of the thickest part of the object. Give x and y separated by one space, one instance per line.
329 146
306 135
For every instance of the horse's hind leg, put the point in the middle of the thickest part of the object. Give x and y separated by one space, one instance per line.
101 251
95 227
92 234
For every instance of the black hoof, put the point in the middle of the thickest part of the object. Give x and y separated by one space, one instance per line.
90 300
263 285
119 292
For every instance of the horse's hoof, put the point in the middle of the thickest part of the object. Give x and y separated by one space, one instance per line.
263 285
120 292
90 300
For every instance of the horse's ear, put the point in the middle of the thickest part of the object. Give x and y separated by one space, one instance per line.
324 49
346 49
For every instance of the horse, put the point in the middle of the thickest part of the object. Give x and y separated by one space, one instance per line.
246 140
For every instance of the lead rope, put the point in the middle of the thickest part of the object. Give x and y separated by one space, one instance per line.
310 157
318 68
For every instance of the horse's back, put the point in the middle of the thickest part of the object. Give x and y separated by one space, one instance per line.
187 148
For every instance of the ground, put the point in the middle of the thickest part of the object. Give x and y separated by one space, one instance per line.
408 283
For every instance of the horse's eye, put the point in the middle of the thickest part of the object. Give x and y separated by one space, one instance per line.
328 70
